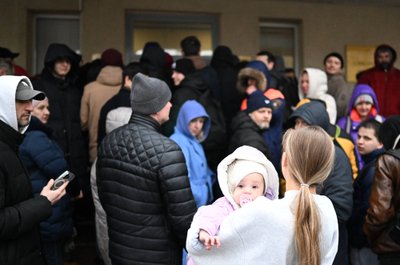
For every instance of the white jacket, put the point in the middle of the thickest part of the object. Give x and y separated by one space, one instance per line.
318 89
262 232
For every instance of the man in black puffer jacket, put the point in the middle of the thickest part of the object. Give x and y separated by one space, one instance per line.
143 183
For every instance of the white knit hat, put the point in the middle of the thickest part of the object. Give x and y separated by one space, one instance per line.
251 160
240 168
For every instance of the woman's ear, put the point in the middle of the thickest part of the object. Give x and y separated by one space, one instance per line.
284 160
284 165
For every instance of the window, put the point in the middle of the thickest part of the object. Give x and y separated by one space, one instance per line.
50 29
282 38
168 29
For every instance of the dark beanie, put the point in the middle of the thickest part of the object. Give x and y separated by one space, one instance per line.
256 101
184 66
390 131
149 95
111 57
337 55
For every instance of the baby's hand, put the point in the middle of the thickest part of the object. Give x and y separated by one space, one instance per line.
207 240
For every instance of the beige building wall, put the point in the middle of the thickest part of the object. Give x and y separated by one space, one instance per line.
324 27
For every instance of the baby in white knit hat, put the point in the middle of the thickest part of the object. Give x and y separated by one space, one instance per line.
243 176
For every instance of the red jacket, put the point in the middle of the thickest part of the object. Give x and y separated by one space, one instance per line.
386 85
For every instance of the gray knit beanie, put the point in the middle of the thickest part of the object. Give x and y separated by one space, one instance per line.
149 95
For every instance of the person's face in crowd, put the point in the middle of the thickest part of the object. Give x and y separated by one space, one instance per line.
62 67
264 59
24 109
305 84
41 111
367 141
251 86
333 65
163 114
363 109
299 123
384 59
262 117
177 77
127 82
252 185
196 126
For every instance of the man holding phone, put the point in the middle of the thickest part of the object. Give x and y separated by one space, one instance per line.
20 212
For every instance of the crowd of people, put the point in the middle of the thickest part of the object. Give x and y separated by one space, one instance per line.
190 162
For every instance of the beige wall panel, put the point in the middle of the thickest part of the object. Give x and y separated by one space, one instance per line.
325 27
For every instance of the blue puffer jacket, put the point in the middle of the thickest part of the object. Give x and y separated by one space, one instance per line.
44 160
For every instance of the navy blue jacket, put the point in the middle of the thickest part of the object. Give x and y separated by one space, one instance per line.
362 189
44 159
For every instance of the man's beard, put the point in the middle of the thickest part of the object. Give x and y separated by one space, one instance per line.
384 66
263 125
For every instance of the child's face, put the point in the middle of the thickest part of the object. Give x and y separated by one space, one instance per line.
367 141
363 109
252 184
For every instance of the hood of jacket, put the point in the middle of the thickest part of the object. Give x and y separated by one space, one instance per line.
246 152
387 47
36 125
153 56
313 113
195 82
256 70
222 56
190 110
389 132
318 84
359 90
8 112
57 51
110 76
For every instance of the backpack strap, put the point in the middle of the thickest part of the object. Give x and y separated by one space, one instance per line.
348 124
394 152
338 130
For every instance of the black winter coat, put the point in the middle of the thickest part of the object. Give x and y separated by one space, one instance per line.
122 99
362 190
64 100
246 132
20 212
144 188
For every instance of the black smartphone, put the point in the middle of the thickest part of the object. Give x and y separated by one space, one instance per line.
60 180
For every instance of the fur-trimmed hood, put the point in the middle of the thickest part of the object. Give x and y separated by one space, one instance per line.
256 70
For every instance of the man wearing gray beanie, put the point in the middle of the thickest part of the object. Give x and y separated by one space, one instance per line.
143 182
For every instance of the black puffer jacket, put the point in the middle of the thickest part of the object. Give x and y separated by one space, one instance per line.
144 189
20 212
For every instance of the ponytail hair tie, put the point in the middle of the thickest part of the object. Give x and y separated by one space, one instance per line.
304 185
